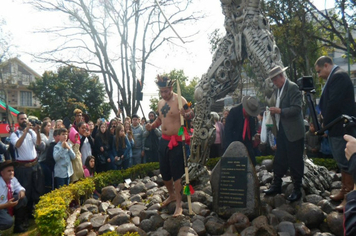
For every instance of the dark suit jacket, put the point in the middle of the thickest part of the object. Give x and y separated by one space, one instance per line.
234 127
291 114
337 99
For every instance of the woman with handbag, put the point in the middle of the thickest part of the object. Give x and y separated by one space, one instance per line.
102 147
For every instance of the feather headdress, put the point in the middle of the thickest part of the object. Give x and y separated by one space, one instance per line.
164 81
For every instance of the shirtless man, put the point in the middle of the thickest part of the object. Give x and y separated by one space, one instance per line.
171 157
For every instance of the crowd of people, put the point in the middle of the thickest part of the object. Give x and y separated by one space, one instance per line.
50 155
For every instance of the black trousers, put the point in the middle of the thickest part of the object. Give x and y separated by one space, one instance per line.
289 155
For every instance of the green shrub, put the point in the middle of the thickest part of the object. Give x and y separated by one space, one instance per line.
53 208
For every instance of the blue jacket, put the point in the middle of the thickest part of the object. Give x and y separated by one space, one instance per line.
63 167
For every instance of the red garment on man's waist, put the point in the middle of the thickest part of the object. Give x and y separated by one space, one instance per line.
174 139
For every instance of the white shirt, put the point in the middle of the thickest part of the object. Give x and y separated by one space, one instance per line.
15 188
85 150
27 150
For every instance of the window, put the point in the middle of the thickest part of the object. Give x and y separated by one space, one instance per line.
26 99
2 95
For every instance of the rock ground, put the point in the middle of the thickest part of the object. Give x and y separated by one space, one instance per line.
136 208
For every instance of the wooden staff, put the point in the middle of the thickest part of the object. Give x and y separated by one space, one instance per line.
187 185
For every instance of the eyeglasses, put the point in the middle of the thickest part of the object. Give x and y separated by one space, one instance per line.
79 115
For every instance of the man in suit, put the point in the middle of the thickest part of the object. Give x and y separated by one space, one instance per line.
337 99
289 134
240 125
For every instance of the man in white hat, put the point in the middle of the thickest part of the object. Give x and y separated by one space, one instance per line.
289 134
240 125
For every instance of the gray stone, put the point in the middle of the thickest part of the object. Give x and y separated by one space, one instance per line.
154 199
157 221
326 206
187 231
84 217
310 214
92 201
104 206
136 209
283 215
197 207
199 227
85 225
313 198
114 211
151 185
91 208
336 185
230 231
129 227
152 191
147 214
83 232
98 221
120 198
160 232
288 208
138 188
173 224
119 219
279 200
301 229
266 178
335 223
214 228
106 228
249 231
136 220
240 221
146 225
286 226
253 207
136 198
108 193
155 206
268 164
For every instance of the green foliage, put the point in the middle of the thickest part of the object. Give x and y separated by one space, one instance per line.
293 30
187 90
154 104
53 208
60 93
330 164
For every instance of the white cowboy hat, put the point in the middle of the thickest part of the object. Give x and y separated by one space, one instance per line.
276 71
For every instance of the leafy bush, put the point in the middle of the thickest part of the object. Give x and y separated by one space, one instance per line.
53 208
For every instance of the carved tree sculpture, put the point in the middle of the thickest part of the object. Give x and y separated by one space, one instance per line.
248 36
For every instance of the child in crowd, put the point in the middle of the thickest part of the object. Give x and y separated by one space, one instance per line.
89 171
89 167
121 148
74 140
63 154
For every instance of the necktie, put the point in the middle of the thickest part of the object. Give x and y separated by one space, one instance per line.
246 126
9 196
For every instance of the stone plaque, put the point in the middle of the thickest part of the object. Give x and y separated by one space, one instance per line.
233 182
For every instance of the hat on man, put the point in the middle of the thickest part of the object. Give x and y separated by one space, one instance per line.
276 71
7 163
251 106
163 81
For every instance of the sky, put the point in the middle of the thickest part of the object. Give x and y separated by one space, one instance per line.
193 58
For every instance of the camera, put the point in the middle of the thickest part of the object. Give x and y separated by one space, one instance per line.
35 122
305 83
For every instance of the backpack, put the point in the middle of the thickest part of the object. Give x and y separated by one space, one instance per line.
11 152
